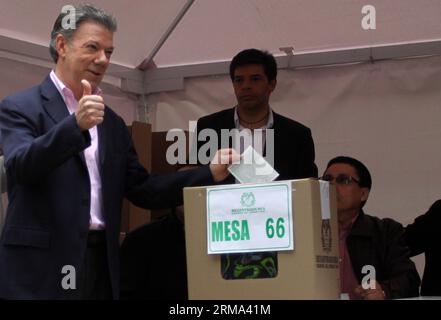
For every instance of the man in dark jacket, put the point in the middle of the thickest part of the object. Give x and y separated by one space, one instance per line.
70 161
374 260
423 236
285 143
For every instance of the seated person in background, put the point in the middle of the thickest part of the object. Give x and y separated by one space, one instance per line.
368 241
423 236
153 260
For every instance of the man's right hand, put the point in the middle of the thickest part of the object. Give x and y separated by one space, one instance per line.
90 110
222 160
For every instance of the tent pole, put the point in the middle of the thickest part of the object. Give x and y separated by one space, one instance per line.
144 65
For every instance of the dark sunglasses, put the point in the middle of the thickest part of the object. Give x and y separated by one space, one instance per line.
340 179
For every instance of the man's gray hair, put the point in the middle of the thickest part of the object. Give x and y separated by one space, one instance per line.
81 13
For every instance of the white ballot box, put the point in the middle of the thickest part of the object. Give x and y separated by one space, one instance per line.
297 220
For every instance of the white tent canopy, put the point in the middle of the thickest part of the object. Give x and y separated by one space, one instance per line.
171 62
182 33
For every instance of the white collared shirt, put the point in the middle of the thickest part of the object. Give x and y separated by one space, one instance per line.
257 144
90 154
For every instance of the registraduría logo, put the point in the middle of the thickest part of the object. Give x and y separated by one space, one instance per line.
248 199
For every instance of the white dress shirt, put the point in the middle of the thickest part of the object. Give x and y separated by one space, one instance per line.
91 156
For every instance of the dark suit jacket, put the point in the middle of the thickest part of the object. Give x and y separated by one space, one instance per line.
423 236
293 144
380 243
49 191
153 261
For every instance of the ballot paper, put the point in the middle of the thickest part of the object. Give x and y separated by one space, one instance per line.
253 168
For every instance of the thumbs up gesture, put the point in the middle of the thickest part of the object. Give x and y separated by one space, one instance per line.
90 110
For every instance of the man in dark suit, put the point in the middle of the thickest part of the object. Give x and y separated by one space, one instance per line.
422 236
286 144
254 77
70 161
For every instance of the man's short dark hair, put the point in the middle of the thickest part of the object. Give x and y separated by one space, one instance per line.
362 171
254 56
83 13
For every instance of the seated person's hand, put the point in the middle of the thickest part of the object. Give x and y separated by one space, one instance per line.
371 294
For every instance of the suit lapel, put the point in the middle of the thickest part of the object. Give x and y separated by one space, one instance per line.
226 122
229 119
54 105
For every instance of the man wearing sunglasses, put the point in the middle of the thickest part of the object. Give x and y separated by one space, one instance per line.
370 248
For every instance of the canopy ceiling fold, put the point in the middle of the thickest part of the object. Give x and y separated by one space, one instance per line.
204 32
